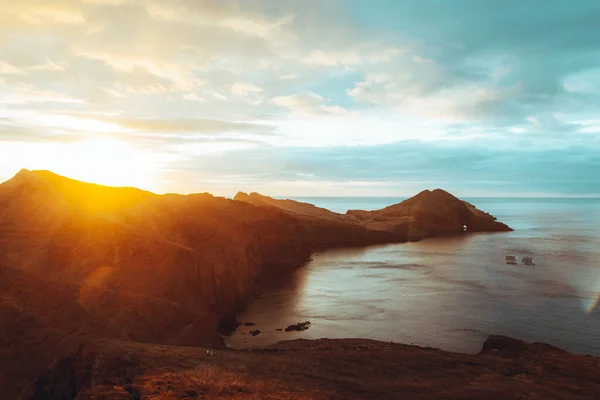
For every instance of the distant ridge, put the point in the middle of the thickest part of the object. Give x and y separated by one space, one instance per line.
427 214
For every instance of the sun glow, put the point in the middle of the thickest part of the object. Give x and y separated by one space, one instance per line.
105 162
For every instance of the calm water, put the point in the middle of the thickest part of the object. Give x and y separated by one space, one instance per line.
451 293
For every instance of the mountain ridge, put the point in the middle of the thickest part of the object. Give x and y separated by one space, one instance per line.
427 214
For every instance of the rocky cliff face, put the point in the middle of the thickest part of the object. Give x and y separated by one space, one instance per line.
81 262
131 256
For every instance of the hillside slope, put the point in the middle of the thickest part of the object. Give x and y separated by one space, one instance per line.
321 369
427 214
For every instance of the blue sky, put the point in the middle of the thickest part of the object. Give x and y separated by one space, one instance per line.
305 98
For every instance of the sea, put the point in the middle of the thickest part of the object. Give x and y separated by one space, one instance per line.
449 293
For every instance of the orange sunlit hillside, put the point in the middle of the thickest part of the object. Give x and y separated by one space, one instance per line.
89 196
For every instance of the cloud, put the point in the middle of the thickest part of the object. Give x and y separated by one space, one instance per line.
352 55
222 15
47 13
405 168
308 104
320 57
189 125
8 69
243 89
271 79
193 97
30 94
180 76
10 132
48 65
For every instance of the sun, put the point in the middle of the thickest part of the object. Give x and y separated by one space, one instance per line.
105 162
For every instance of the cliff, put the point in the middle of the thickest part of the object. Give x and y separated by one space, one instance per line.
131 256
83 262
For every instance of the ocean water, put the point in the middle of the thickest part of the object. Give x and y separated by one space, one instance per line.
450 293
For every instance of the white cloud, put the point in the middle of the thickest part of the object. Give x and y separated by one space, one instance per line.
48 13
217 15
9 69
121 90
193 97
320 57
358 53
29 94
182 77
425 89
517 129
308 104
48 65
243 89
113 92
219 96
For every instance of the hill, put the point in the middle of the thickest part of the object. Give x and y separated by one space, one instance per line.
427 214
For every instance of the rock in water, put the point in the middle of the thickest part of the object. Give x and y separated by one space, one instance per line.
301 326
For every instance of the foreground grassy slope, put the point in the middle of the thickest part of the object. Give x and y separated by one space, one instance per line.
321 369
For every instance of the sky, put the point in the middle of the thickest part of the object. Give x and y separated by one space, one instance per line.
305 98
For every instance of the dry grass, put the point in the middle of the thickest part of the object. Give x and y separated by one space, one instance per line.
214 379
204 381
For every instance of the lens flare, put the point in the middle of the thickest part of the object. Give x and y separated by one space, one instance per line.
593 304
